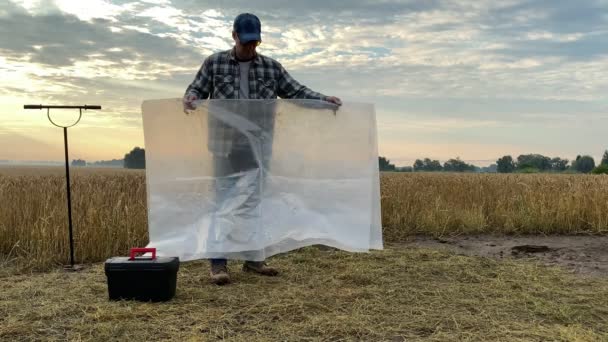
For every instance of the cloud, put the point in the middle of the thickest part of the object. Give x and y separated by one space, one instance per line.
415 47
477 63
90 9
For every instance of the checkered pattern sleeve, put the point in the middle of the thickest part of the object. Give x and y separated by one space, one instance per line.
202 84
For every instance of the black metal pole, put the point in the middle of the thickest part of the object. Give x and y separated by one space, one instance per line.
67 160
67 177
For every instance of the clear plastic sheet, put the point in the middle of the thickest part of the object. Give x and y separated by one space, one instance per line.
248 179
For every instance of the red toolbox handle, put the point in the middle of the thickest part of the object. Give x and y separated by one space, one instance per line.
142 250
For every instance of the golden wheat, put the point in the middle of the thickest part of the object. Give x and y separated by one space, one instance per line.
108 210
451 203
110 216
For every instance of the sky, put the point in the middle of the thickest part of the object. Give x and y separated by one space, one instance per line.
448 78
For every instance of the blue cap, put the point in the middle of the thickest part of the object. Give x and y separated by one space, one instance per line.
248 27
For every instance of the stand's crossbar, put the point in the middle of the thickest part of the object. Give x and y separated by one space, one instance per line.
85 107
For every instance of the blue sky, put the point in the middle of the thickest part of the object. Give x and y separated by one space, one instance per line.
474 79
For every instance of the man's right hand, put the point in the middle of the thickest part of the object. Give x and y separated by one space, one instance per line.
334 100
188 102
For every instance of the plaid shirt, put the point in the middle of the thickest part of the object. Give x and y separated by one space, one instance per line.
219 78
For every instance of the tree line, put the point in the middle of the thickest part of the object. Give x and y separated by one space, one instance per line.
135 159
433 165
525 163
539 163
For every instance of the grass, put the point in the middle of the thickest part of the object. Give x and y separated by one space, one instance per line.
394 295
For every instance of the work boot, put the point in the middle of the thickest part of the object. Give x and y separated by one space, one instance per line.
259 267
219 272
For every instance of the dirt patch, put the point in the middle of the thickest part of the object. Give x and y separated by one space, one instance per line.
584 255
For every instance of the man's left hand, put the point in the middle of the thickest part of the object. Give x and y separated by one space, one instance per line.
334 100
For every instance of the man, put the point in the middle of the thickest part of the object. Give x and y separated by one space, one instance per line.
242 73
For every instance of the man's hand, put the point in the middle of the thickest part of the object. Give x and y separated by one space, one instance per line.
334 100
189 103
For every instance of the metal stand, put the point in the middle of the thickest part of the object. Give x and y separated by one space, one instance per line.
67 164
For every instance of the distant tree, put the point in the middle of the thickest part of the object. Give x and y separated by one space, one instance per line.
491 168
385 164
536 161
457 165
136 159
432 165
584 164
602 169
418 165
605 158
405 169
505 164
79 162
558 164
113 162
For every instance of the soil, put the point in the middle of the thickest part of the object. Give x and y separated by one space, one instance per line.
582 255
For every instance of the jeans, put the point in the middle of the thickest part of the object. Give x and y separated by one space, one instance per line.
240 159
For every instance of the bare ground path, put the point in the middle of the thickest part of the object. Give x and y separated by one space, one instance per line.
581 254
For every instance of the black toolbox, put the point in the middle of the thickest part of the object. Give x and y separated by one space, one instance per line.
142 278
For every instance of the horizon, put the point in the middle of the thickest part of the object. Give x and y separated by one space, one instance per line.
447 78
484 163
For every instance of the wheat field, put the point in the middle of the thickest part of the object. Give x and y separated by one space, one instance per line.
108 211
110 215
452 203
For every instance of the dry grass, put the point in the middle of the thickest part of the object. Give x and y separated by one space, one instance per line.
322 295
109 209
